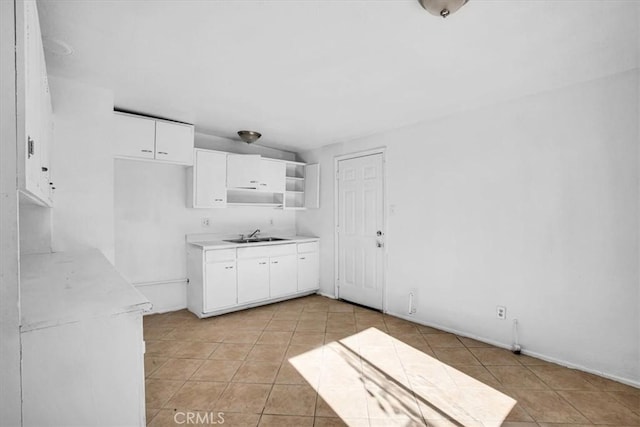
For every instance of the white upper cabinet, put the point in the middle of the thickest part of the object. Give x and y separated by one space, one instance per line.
140 137
36 131
312 186
174 142
272 176
251 180
243 171
302 186
207 183
251 171
135 136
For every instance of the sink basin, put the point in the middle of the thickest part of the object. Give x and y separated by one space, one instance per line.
255 240
270 239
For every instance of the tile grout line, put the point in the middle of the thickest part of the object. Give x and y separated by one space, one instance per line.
554 390
310 312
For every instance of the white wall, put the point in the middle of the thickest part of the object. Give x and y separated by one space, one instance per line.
134 212
82 167
531 204
35 229
235 146
10 388
152 219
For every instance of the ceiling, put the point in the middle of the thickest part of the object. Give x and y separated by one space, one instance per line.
309 73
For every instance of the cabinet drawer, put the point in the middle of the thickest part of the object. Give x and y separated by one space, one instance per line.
218 255
267 251
304 248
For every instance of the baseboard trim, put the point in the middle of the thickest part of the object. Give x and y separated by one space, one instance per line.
162 282
324 294
166 309
526 352
165 295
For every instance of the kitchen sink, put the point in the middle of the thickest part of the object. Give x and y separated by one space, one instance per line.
255 240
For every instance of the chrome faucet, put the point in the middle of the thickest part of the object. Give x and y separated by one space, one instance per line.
254 233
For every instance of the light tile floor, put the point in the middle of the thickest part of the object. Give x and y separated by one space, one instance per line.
314 361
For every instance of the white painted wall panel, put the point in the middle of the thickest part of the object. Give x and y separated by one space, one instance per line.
10 390
82 167
531 204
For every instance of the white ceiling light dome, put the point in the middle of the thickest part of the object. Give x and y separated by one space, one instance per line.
442 8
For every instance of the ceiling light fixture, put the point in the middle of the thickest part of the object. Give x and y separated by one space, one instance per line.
249 136
442 8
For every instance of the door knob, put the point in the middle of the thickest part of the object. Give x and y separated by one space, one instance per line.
378 233
379 244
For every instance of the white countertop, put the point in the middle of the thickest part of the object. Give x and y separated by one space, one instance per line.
67 287
221 244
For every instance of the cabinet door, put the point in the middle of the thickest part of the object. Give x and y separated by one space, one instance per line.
243 171
220 286
33 98
282 275
308 271
272 175
46 186
134 136
312 186
210 175
253 279
174 142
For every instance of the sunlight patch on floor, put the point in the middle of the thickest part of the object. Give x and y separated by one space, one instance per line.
372 378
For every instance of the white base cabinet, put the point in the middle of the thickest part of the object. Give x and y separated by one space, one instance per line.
253 280
82 342
308 271
229 279
283 275
86 373
222 293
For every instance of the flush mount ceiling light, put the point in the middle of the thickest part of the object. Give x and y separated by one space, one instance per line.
249 136
442 8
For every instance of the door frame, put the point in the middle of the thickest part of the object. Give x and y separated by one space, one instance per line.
336 199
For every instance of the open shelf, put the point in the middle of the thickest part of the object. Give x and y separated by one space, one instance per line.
294 200
265 205
295 185
243 197
294 170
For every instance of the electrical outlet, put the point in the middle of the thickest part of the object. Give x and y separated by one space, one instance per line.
206 222
501 312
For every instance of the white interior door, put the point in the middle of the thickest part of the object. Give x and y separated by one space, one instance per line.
360 230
